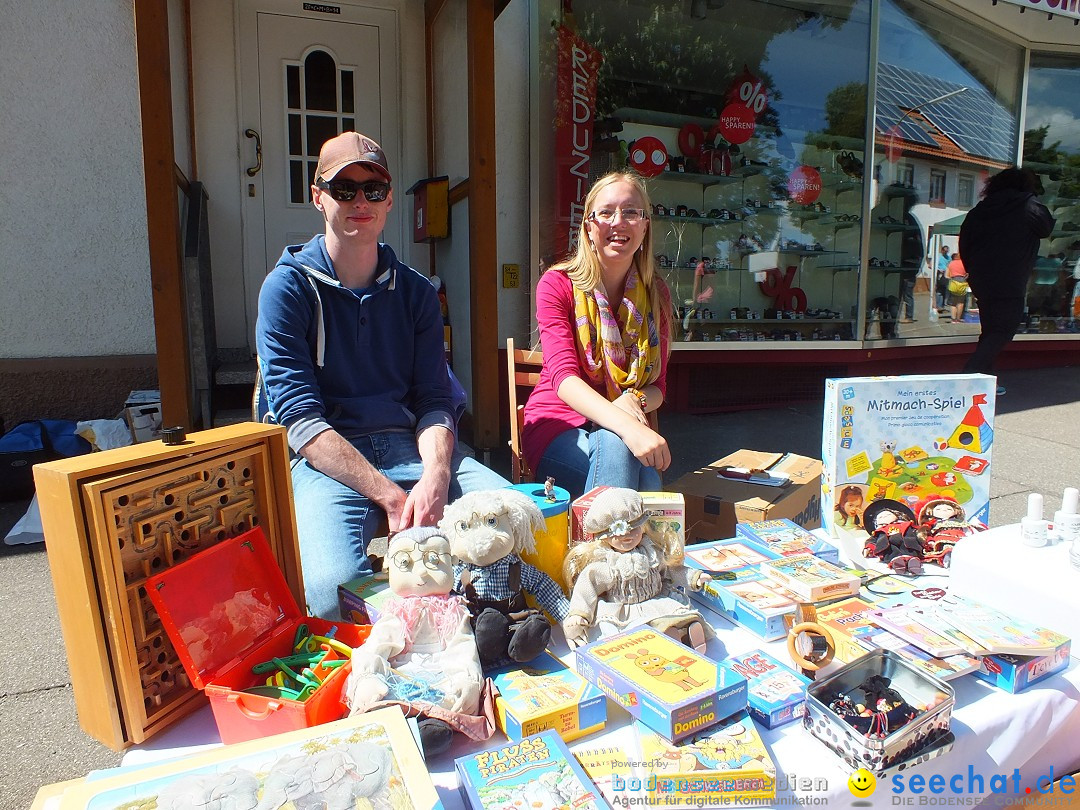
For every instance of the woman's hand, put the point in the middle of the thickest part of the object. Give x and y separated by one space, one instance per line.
629 403
649 447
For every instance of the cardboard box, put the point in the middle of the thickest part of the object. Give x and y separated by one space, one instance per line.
673 689
906 439
360 600
714 503
667 512
142 412
776 693
229 609
547 694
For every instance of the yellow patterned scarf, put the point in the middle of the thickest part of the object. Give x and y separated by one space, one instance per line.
618 358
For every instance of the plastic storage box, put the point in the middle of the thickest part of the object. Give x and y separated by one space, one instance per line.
860 751
229 609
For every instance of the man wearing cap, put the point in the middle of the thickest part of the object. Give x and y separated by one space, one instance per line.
350 344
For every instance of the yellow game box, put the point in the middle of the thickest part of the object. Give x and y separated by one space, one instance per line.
671 688
546 694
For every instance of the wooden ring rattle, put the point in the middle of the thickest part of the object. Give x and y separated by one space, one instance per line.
823 647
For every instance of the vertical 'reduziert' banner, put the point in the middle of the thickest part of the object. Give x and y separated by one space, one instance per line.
575 112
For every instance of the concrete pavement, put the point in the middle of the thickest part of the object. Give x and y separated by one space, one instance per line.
1036 449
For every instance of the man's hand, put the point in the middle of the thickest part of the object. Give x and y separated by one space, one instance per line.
424 504
649 447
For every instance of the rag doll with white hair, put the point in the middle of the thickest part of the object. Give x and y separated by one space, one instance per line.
488 530
627 575
421 654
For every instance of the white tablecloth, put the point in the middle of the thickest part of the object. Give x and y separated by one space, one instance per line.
1035 584
1034 731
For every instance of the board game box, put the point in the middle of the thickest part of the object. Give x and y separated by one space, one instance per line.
786 537
810 578
775 692
536 772
905 438
673 689
545 694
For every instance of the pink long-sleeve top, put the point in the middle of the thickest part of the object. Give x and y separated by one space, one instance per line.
546 415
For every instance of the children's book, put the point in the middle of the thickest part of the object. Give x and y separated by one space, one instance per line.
811 578
997 631
855 633
537 772
724 764
370 756
916 626
608 767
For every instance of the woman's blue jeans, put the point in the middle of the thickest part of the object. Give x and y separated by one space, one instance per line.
580 459
335 523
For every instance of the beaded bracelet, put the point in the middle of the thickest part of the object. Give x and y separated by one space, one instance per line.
642 400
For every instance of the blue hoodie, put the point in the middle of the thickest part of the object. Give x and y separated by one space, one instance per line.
356 361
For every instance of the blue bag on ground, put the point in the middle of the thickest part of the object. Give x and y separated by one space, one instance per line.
30 443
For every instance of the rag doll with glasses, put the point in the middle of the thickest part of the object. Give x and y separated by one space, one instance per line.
421 654
628 575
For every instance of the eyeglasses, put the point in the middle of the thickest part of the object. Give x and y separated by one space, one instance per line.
631 216
345 190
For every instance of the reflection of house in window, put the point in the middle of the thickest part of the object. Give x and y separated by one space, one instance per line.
970 130
905 174
937 186
965 190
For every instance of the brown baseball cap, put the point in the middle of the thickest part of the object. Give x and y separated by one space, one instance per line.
348 148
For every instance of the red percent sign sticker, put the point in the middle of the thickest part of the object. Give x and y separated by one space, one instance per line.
783 294
804 185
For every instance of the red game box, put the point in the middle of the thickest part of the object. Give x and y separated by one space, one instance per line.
228 609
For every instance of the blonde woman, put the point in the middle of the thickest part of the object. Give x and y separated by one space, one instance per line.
604 317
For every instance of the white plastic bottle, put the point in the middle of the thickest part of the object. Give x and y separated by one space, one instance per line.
1033 528
1067 518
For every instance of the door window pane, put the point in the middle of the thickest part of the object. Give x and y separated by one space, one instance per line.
347 101
320 82
298 192
320 129
292 86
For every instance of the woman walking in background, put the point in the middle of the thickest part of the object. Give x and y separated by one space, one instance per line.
999 241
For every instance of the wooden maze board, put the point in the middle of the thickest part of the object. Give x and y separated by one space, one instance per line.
115 518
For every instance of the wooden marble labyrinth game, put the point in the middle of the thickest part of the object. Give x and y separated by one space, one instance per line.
113 519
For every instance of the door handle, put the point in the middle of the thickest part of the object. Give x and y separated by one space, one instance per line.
254 170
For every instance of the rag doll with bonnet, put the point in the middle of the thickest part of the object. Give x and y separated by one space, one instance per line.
625 577
421 654
488 529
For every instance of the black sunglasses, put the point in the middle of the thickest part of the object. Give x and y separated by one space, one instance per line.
345 190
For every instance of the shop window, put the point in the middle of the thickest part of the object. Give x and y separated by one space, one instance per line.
947 101
937 186
965 191
749 120
1052 150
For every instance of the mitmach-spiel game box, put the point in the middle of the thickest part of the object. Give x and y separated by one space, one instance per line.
546 694
664 684
906 439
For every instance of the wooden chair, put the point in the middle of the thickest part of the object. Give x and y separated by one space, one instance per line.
522 371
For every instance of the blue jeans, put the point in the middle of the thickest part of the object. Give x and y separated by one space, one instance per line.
335 523
579 460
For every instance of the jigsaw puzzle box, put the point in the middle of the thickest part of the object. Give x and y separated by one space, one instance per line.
905 438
